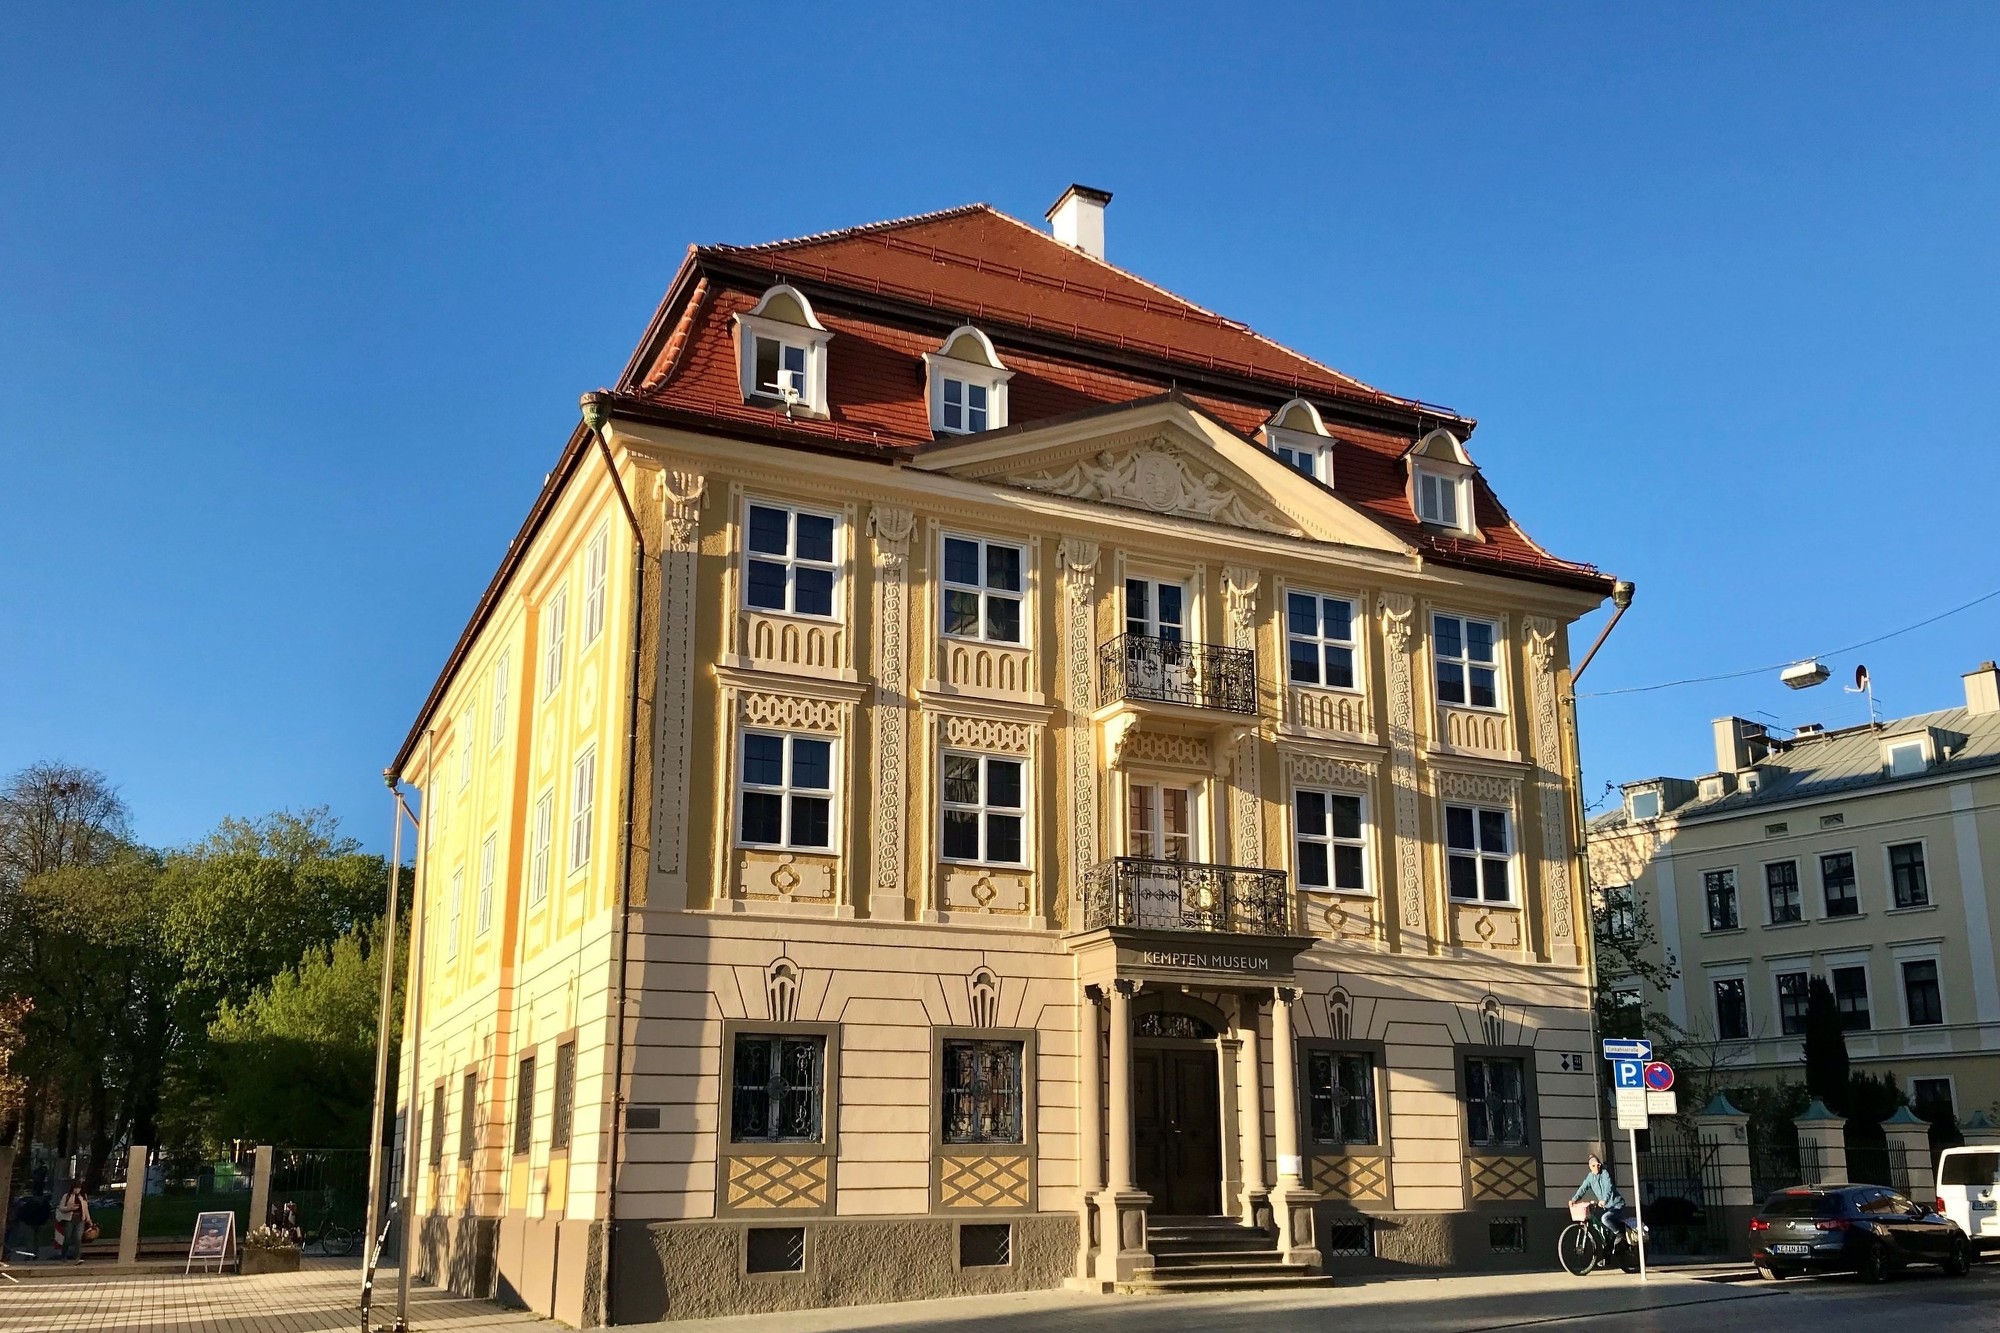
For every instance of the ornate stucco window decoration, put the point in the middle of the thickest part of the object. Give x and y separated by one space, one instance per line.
1440 481
1298 437
967 384
781 353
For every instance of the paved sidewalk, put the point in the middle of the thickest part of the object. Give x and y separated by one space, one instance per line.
318 1299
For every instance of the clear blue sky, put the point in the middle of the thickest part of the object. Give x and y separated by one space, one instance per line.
295 308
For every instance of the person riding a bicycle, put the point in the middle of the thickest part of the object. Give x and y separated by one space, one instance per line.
1608 1213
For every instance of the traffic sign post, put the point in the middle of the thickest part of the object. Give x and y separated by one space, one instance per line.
1638 1202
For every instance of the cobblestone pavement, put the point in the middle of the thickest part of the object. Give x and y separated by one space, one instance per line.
317 1299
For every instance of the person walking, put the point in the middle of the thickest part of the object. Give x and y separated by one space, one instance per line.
73 1216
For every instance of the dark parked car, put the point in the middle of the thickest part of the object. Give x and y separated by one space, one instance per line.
1863 1229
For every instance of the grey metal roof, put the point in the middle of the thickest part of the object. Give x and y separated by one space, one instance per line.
1849 760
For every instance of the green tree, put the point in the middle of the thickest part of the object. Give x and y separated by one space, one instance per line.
1627 944
1827 1068
248 901
296 1060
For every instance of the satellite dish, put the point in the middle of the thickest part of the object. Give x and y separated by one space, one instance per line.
1860 677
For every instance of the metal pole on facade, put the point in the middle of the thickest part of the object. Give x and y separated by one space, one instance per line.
387 943
412 1118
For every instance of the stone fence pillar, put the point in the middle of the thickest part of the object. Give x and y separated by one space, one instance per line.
1979 1130
1724 1133
1822 1144
135 1200
1910 1138
260 1187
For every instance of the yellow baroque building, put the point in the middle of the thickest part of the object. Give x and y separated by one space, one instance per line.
977 774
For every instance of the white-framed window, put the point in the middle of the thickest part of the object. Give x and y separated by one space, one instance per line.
1644 804
454 913
984 583
1467 660
1906 757
1850 997
555 623
582 803
1441 499
539 848
465 738
781 352
1909 880
1307 459
785 791
1330 832
503 671
1160 821
1732 1009
489 852
1319 640
1719 895
596 559
790 562
968 385
1923 995
985 809
1627 999
1479 853
1794 988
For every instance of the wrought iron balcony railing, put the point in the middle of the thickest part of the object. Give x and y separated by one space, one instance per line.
1186 895
1173 671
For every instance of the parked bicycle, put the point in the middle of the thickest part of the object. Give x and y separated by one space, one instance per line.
337 1236
1588 1243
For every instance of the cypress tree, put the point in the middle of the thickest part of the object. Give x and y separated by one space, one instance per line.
1826 1047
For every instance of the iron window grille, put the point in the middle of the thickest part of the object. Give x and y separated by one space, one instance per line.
776 1097
1496 1102
524 1106
985 1245
1836 877
1186 895
437 1125
1340 1086
1906 875
982 1091
774 1250
468 1118
1507 1235
1347 1238
1171 670
564 1109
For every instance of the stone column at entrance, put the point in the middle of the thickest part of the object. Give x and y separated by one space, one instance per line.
1911 1137
1090 1132
1291 1202
1724 1132
1122 1256
1822 1144
1253 1206
1228 1057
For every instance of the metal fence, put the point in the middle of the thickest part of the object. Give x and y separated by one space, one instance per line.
1680 1185
325 1184
1780 1161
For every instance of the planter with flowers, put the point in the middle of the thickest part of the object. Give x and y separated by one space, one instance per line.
269 1250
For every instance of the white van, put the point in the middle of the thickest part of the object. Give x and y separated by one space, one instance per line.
1967 1194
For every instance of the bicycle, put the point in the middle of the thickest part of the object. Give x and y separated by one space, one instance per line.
1587 1244
334 1238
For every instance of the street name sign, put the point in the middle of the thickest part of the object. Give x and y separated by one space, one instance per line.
1628 1048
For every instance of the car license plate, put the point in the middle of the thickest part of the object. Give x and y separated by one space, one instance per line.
1983 1205
1791 1249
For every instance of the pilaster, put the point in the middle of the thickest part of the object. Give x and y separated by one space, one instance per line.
680 495
1079 609
1253 1207
1291 1202
1122 1254
891 528
1246 832
1559 913
1398 612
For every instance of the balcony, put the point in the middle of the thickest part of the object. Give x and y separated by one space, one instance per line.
1149 669
1186 895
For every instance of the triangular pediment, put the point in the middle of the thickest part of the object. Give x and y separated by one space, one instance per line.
1167 458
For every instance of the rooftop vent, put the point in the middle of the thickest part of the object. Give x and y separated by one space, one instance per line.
1810 729
1077 219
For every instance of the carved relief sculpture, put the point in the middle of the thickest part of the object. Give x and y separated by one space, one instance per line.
892 528
1398 610
1239 595
1156 477
1079 578
1549 784
680 496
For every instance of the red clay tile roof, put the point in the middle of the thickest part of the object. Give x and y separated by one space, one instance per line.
1078 334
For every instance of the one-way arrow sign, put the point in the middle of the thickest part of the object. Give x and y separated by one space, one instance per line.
1627 1048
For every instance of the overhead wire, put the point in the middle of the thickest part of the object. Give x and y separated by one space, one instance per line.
1779 666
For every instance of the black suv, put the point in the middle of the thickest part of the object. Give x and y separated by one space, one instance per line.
1863 1229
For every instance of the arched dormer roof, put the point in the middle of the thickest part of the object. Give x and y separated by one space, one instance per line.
786 304
966 343
1298 415
1443 446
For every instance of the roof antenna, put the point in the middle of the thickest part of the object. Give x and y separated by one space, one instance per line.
1863 684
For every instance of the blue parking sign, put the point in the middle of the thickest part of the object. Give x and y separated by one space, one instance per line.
1628 1073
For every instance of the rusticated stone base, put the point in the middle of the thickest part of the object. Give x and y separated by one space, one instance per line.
1454 1242
690 1270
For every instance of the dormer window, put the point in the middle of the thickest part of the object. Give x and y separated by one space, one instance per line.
1299 439
968 385
1441 483
781 353
1645 805
1911 754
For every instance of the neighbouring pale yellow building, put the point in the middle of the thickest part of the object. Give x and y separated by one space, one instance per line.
978 773
1856 854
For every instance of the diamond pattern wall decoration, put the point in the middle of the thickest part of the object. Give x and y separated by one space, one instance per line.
983 1182
1361 1178
1504 1179
777 1182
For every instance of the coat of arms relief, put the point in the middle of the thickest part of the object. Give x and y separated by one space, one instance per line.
1156 476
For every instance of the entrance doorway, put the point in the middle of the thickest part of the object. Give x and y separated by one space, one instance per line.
1177 1130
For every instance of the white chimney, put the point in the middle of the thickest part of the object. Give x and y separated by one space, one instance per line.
1982 689
1077 219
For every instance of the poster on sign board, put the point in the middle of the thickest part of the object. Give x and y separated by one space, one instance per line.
214 1238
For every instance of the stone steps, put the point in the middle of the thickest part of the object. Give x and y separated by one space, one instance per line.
1217 1254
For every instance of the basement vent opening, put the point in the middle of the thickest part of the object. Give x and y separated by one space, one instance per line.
1507 1235
1348 1238
775 1250
985 1245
